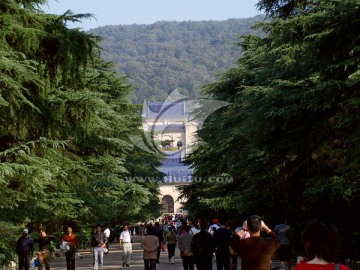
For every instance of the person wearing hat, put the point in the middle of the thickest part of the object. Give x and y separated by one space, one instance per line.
24 249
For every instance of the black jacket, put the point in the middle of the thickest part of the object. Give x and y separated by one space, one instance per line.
203 244
44 242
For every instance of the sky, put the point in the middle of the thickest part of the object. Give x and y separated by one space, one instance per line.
115 12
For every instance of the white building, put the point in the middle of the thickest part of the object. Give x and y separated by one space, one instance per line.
171 122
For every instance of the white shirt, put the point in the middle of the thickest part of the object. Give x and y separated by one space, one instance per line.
125 236
107 232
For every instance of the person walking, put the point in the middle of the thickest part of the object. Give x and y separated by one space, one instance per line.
255 251
125 245
185 248
171 240
107 233
71 241
98 243
150 243
44 241
203 247
283 232
24 250
222 238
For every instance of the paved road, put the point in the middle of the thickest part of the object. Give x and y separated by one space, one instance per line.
113 260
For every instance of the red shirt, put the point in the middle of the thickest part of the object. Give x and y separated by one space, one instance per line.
72 239
309 266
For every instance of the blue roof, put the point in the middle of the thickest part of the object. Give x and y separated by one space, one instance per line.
169 128
166 110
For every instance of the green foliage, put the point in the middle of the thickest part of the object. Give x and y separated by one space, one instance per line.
165 56
292 132
84 238
284 8
8 232
64 126
166 143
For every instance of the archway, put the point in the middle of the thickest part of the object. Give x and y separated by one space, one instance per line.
168 204
179 144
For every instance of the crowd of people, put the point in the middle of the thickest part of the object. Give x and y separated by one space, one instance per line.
199 243
25 249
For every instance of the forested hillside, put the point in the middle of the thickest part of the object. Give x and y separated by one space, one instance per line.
173 55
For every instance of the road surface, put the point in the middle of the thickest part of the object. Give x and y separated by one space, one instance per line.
113 260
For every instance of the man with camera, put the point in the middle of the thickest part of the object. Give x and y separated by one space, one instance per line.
255 251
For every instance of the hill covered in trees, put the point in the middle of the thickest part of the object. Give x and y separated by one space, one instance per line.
173 55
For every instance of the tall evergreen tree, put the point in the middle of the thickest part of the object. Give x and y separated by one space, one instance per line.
65 120
291 140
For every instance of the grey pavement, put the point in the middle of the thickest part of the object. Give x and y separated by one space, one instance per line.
113 260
